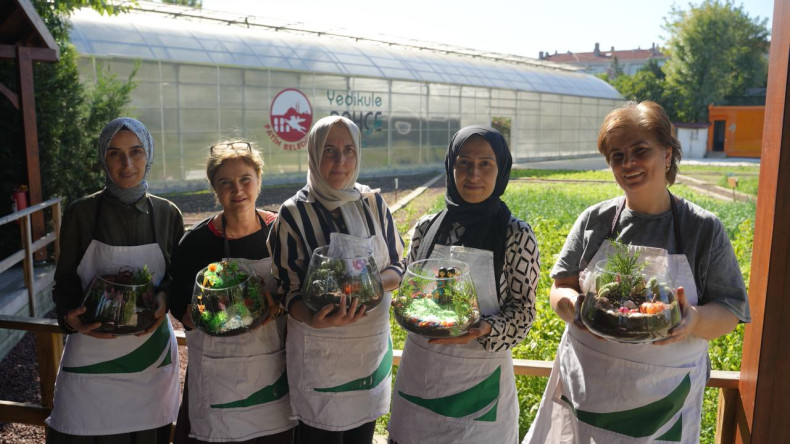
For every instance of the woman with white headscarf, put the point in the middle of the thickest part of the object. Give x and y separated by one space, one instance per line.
334 350
116 389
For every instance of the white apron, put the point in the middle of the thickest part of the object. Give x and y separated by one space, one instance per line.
641 393
340 377
238 388
456 393
120 385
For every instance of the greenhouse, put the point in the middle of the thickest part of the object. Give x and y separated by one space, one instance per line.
203 77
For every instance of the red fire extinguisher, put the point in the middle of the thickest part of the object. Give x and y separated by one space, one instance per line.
19 198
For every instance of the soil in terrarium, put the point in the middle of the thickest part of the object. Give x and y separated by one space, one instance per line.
448 310
123 302
332 279
628 307
237 309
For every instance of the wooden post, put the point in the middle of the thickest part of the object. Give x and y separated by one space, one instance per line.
49 348
27 106
27 265
764 385
726 419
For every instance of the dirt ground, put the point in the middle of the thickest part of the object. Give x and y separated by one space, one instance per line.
19 369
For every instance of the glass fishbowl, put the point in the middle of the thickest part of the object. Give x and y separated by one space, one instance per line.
437 299
632 304
228 299
353 273
122 299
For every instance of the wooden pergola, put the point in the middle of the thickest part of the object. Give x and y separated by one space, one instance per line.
765 386
24 39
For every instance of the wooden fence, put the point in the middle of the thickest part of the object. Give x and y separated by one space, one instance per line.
49 347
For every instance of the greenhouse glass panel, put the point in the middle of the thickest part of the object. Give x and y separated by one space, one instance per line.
198 96
231 96
199 120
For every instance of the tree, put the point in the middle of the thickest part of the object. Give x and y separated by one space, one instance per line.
715 50
646 84
69 114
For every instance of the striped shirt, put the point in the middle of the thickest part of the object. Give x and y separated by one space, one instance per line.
303 225
517 286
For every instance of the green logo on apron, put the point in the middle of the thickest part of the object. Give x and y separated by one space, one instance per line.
138 360
267 394
641 421
367 382
466 402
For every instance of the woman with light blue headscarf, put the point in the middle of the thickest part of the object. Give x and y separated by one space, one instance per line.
118 389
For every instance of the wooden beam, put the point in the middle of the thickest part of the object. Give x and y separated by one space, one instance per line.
23 413
10 95
27 104
764 386
8 52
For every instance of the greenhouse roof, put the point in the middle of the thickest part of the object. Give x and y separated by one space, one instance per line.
171 33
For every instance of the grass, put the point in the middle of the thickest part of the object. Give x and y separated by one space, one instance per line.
551 211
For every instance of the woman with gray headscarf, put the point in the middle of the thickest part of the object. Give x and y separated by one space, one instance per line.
119 389
339 365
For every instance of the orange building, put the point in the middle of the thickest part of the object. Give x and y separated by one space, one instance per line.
736 131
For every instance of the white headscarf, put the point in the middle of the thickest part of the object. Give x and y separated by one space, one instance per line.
126 195
321 191
317 185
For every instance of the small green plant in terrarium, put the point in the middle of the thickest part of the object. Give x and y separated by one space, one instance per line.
122 299
355 276
629 299
227 299
437 299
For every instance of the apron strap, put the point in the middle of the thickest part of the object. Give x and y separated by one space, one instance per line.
675 222
430 236
225 237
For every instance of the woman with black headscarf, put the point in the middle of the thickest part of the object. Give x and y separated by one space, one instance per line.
116 389
463 389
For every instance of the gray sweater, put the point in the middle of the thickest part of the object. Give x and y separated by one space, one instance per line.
705 244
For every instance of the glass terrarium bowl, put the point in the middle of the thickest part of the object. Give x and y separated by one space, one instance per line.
227 299
353 273
122 299
635 308
437 299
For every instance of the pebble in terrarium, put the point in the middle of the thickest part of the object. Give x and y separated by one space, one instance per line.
122 299
630 300
227 299
437 299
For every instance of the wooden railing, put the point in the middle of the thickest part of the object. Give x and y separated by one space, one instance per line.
49 347
25 255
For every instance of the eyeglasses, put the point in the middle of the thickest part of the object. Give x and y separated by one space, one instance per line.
235 146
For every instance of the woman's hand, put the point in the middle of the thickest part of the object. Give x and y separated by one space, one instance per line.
484 329
343 316
564 296
72 320
187 318
273 314
159 314
322 319
690 319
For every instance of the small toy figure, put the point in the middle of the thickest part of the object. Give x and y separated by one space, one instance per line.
440 292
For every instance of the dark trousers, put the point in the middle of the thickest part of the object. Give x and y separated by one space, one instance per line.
311 435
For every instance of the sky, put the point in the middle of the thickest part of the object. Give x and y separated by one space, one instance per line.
519 27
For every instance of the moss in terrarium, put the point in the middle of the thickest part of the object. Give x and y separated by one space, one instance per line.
226 306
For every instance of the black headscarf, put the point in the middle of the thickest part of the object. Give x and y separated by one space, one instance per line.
485 223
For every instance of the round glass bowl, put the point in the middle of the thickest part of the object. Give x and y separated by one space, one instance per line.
122 299
437 299
353 273
227 299
637 307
